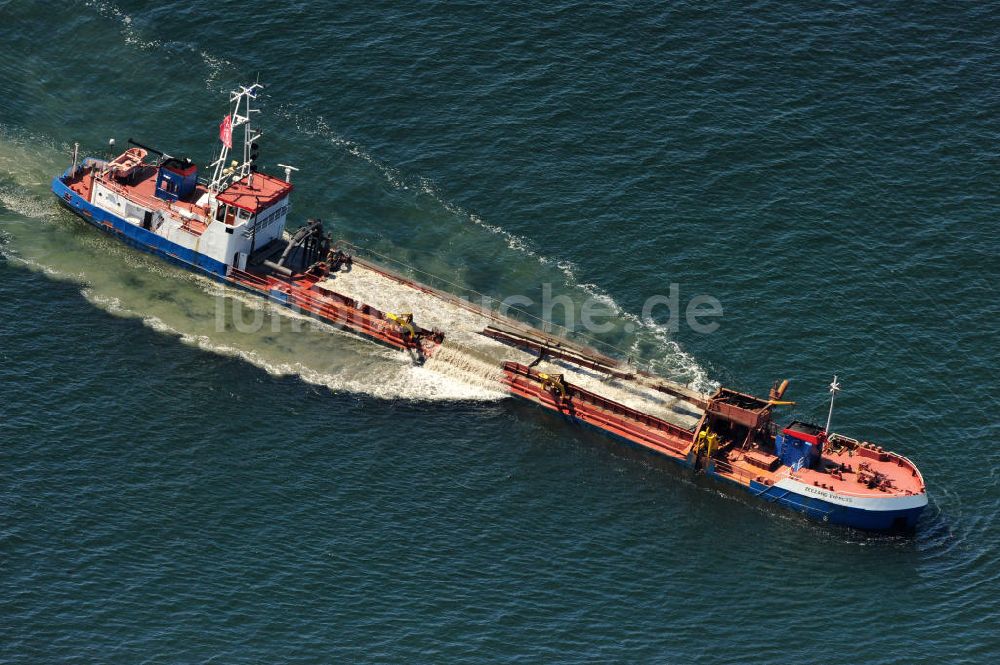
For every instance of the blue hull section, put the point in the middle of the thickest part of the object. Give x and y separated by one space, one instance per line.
136 236
812 507
818 509
871 520
149 242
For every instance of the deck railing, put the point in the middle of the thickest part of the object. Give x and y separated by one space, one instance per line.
194 226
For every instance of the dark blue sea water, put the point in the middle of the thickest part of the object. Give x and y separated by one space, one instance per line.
175 490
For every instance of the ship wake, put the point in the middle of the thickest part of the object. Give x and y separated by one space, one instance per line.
130 284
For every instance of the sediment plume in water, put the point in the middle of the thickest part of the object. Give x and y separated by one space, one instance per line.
40 236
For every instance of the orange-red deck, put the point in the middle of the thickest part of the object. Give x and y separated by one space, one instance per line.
263 192
141 189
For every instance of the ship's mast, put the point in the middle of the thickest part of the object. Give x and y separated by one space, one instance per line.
242 110
834 389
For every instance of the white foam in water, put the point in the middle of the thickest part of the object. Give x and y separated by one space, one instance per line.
475 359
316 126
50 272
387 374
466 367
375 371
674 360
450 376
131 35
26 206
215 67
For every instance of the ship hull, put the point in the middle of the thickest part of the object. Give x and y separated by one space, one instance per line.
891 514
137 237
150 243
662 439
683 461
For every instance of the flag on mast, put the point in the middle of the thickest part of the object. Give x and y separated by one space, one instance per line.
226 131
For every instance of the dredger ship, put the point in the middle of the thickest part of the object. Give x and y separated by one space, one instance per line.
231 227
